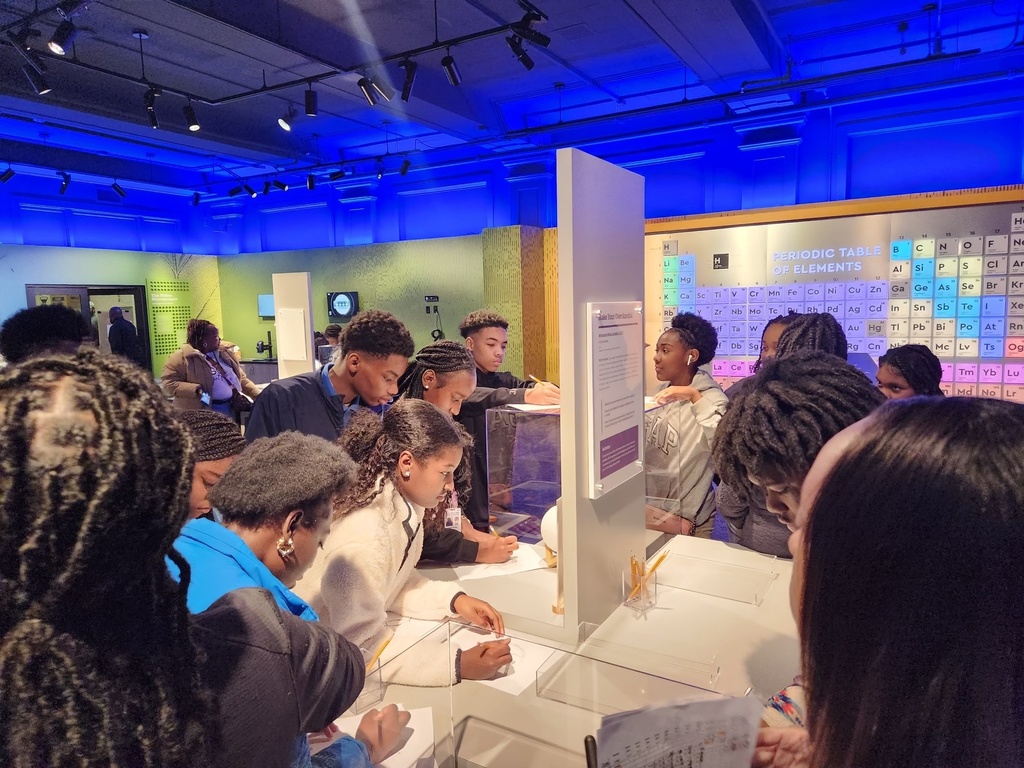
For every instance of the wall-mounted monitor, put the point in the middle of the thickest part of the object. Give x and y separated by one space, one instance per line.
341 305
265 304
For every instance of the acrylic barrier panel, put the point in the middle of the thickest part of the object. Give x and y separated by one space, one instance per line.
535 710
523 468
717 579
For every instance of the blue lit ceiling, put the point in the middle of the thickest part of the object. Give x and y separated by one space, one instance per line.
614 70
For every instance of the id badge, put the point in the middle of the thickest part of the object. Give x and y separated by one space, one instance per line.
453 518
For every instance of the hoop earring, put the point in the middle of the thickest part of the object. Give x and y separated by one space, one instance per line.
285 547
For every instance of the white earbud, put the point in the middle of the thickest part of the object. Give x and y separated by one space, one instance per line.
689 359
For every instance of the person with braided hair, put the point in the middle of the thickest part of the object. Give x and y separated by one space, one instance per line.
203 373
374 353
100 661
216 441
814 330
908 371
677 436
444 374
367 569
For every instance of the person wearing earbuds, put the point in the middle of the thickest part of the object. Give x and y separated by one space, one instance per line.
680 496
367 570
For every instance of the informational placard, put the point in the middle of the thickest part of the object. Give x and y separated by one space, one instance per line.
292 337
615 348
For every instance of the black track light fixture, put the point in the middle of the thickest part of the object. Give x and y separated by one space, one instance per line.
20 43
119 190
380 168
410 68
190 117
62 38
525 30
7 175
65 181
280 185
337 175
515 43
406 165
286 120
451 69
367 89
234 191
249 190
380 86
70 8
312 106
266 187
311 182
195 199
149 99
36 80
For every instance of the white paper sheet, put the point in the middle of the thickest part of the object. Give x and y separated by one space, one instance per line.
415 746
527 659
720 733
531 407
526 558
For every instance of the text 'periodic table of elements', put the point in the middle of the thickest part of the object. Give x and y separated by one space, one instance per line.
952 280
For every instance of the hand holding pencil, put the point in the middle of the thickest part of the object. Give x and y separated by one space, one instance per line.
542 393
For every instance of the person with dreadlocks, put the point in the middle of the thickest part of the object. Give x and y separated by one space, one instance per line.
367 569
814 330
677 454
908 371
100 661
444 374
374 353
203 373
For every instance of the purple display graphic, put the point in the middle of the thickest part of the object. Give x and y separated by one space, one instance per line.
620 450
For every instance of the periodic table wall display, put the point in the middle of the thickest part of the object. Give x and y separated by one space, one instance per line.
952 279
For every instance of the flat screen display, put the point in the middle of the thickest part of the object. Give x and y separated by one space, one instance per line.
341 305
265 304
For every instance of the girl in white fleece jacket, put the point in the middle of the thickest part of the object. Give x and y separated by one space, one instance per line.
368 567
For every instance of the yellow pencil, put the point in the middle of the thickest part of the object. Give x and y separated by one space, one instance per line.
535 380
494 533
377 654
647 575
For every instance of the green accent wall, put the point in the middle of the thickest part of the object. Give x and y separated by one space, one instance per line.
390 276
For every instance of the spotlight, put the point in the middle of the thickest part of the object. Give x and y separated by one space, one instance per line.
149 99
280 185
380 168
367 89
338 174
234 191
119 190
62 38
311 182
70 8
410 68
65 180
20 43
524 30
153 121
195 199
406 165
266 187
38 82
381 87
7 175
286 120
516 44
190 118
311 102
249 190
451 69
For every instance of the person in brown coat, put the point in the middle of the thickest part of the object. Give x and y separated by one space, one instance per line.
203 373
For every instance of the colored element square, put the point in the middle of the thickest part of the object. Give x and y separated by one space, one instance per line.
968 307
995 265
970 246
670 265
944 329
989 348
967 347
901 249
899 289
990 373
924 248
991 391
688 263
921 329
899 270
1015 346
969 286
965 390
993 306
970 266
993 328
947 372
923 268
997 244
965 372
948 266
993 286
923 288
968 328
943 347
945 287
921 307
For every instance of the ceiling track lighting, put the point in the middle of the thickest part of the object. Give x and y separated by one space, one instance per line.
410 68
70 8
195 199
367 89
119 190
311 182
406 165
286 120
190 117
337 175
451 69
63 37
7 175
249 190
515 43
525 30
36 80
266 187
312 107
20 43
280 185
380 86
234 192
380 168
65 181
149 99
